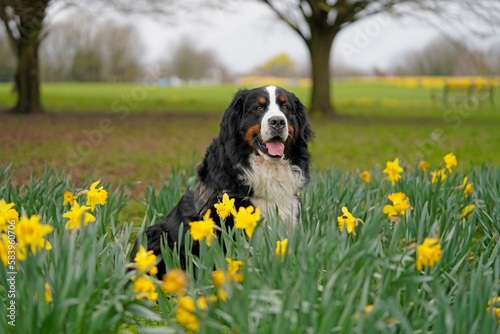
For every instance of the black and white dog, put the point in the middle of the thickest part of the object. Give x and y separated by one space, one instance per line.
260 158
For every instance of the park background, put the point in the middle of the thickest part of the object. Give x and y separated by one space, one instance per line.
132 93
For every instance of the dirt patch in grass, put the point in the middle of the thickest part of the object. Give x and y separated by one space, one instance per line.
119 149
146 147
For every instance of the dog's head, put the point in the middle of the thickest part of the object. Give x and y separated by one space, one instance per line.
270 120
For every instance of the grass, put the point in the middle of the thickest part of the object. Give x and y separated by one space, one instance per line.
324 283
145 147
128 98
85 136
351 97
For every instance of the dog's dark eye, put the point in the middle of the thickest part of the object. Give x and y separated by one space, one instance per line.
283 107
259 108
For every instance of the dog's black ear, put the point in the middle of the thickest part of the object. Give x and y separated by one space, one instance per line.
230 123
305 131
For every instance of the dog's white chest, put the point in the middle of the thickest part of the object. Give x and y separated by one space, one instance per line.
275 185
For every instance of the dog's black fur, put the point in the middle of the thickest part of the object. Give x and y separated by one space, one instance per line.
227 157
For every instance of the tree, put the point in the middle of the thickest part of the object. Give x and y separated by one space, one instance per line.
120 49
187 63
318 22
439 57
493 60
23 21
280 65
58 49
85 48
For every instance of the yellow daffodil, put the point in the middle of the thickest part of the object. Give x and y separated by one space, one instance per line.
145 261
175 281
202 302
393 171
21 252
203 228
281 248
467 211
144 288
423 165
450 160
4 247
48 293
467 187
233 266
348 220
494 306
438 176
247 219
399 205
96 195
222 294
185 313
4 250
219 280
428 253
367 310
225 208
76 215
68 198
7 214
365 176
31 233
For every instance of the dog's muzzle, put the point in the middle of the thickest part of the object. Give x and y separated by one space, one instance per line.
272 142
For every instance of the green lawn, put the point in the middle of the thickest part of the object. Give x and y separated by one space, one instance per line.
350 97
171 128
124 98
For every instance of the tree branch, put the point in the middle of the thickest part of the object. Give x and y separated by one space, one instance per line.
286 20
5 19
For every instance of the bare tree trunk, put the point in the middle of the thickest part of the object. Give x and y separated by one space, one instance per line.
23 20
320 45
27 79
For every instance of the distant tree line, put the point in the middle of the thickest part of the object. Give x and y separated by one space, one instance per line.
84 50
79 49
189 64
442 56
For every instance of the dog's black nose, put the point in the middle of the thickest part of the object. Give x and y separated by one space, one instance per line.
277 122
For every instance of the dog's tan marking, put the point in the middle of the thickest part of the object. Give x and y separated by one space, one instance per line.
291 133
262 100
250 134
282 99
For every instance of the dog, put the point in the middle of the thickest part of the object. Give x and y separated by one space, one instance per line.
259 158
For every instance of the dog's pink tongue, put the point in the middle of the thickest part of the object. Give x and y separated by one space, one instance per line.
275 147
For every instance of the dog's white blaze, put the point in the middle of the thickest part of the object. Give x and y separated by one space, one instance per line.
275 184
273 110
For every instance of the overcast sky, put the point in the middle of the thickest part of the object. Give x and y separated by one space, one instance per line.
248 35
